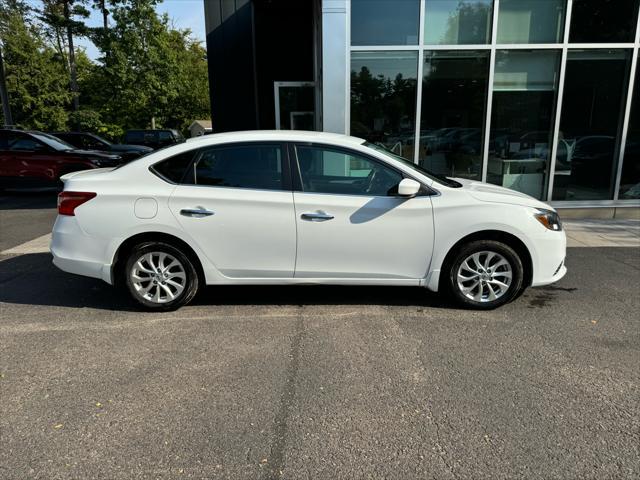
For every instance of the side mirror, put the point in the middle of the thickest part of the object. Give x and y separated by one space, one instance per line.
408 188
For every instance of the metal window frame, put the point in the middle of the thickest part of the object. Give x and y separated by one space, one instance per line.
627 116
493 47
276 97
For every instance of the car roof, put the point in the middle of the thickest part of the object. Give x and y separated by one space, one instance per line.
278 135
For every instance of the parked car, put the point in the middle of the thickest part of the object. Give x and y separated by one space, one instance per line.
31 159
286 207
153 138
91 141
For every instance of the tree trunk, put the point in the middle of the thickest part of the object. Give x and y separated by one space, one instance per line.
72 58
105 14
4 97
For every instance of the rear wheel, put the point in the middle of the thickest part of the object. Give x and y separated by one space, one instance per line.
160 277
485 274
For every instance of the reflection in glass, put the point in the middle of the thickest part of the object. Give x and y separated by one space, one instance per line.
524 92
384 22
457 22
383 99
603 21
630 181
454 97
531 21
592 110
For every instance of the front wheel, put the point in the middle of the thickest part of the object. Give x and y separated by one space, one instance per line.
160 277
485 274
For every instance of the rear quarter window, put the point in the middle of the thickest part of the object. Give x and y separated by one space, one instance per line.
174 169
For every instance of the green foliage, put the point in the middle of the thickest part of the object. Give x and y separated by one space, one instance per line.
36 80
147 69
86 120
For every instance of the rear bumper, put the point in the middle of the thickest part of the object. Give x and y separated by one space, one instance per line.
75 252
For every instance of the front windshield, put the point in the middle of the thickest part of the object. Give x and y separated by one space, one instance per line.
52 141
419 168
101 140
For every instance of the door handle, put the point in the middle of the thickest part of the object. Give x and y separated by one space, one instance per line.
198 212
316 216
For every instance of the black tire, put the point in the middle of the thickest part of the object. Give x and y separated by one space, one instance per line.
486 284
189 284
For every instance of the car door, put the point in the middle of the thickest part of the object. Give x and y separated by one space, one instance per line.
236 203
352 224
32 161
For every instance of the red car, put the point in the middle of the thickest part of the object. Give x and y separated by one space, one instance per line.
30 159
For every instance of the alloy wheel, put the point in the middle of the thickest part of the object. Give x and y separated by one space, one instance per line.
158 277
484 276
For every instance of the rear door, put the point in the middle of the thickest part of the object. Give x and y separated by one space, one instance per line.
236 202
33 162
352 224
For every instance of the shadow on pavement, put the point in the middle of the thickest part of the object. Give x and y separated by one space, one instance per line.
33 280
29 200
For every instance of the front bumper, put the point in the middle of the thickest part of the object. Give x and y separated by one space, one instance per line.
549 264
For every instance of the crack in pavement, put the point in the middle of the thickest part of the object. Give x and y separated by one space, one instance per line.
277 460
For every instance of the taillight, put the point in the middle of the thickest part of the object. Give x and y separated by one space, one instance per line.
69 201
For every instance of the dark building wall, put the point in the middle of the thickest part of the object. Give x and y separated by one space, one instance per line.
251 44
230 53
284 49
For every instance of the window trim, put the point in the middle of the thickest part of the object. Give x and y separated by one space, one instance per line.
296 174
196 153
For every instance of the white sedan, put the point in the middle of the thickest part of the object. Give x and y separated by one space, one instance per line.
277 207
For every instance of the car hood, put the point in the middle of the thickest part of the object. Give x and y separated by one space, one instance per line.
120 147
487 192
94 153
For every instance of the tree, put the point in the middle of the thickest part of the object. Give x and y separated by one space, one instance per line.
149 70
36 80
61 16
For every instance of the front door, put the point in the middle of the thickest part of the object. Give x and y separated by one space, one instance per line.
236 203
351 223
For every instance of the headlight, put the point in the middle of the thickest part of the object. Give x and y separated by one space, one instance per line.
549 219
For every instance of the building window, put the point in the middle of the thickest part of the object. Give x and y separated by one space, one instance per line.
603 21
630 181
383 99
457 22
385 22
524 93
594 96
454 97
531 21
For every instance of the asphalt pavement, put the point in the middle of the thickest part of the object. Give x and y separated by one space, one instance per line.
317 382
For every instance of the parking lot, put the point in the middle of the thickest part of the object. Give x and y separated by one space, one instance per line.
314 382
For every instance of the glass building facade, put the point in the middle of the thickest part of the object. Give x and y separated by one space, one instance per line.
540 96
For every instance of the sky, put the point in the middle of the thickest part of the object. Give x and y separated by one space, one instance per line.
183 14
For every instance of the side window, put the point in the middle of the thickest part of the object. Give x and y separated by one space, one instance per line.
25 143
175 168
164 136
135 136
327 170
5 139
240 166
91 143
